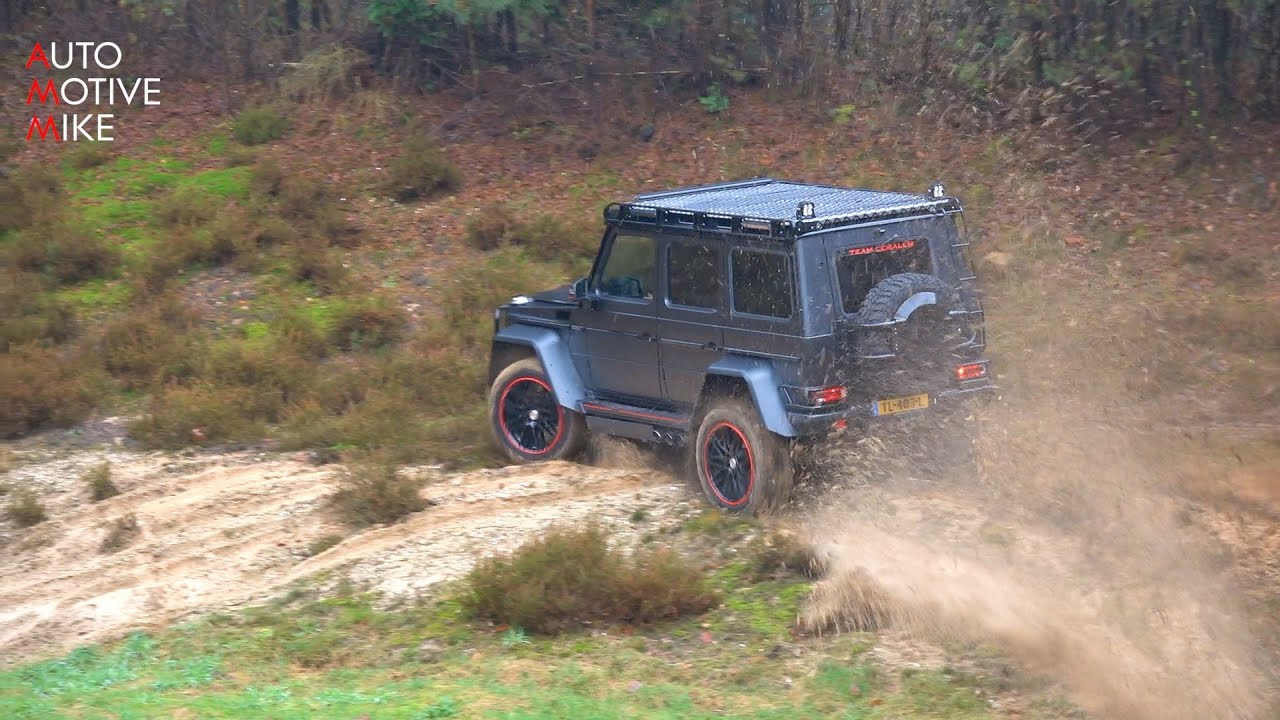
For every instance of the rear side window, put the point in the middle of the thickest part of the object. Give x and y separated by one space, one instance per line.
694 277
761 283
861 268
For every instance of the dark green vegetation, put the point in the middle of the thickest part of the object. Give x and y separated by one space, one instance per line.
572 575
344 656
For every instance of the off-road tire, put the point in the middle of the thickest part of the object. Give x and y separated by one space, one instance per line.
883 301
530 436
770 474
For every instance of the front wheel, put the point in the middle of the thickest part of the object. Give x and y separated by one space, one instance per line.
741 466
528 422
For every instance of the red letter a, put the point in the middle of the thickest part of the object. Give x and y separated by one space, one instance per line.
37 53
49 125
49 90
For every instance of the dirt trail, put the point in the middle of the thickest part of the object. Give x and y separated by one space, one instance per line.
234 529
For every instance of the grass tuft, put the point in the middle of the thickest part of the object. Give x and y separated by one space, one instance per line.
99 481
421 171
375 492
572 576
123 532
25 509
258 125
369 325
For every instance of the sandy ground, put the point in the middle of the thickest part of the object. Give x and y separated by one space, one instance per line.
224 531
1136 597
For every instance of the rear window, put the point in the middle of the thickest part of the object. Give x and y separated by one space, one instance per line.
861 268
761 283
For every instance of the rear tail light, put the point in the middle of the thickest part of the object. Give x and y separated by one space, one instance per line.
971 371
827 395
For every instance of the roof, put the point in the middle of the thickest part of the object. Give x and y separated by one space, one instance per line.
773 207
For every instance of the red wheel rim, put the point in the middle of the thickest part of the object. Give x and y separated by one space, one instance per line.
530 418
728 464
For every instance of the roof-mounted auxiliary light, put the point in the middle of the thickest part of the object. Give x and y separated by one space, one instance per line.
936 191
804 210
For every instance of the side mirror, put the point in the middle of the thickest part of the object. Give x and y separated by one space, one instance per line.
578 291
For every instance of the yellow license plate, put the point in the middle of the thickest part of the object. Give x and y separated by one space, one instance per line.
902 404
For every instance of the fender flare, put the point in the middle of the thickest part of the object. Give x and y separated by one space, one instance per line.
553 353
766 393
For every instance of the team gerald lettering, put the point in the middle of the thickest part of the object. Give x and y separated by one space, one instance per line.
90 92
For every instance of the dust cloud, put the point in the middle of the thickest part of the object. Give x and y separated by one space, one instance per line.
1060 539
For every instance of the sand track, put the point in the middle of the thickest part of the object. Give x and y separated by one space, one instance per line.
236 529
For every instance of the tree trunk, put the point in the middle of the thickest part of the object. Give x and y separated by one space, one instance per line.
292 26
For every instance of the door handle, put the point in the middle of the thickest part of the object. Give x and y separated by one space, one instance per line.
647 337
710 346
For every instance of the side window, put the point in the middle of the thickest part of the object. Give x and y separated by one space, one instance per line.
694 277
628 272
761 283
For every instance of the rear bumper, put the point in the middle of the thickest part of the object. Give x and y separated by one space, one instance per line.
810 423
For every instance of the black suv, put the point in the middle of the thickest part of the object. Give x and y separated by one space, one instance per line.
737 318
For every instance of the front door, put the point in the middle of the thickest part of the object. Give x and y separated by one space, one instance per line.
622 327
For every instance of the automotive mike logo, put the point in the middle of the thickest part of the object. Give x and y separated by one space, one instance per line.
50 99
886 247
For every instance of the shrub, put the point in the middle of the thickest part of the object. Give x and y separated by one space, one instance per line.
201 413
186 206
296 334
375 491
307 202
258 125
239 157
123 532
327 73
267 177
570 576
547 237
492 229
421 171
369 325
25 509
45 385
28 313
30 196
155 342
314 262
99 481
65 253
89 155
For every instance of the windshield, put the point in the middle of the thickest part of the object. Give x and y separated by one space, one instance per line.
861 268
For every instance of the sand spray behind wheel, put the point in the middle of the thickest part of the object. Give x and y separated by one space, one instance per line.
1066 546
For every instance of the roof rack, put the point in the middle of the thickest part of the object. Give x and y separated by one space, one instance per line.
774 208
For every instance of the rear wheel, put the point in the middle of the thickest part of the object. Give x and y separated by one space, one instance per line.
740 464
528 422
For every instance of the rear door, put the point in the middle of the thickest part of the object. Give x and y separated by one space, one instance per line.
692 313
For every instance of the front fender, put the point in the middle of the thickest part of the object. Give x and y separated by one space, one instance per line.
553 353
761 380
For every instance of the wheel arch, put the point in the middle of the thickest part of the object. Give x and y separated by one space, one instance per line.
757 377
517 342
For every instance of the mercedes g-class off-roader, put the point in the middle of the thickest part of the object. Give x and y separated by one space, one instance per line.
737 318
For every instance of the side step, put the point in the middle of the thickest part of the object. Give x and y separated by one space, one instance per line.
637 423
660 418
